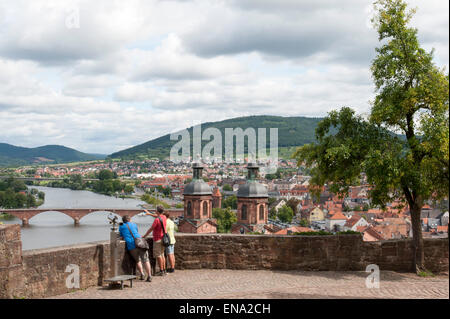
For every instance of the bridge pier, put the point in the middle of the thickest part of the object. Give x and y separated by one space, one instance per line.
76 221
25 222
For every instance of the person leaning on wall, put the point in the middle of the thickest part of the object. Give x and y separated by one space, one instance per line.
129 231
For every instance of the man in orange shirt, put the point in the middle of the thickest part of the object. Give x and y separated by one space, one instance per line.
158 233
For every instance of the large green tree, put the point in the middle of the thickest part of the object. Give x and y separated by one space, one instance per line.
225 219
285 214
412 101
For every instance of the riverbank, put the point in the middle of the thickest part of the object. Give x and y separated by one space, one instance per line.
6 216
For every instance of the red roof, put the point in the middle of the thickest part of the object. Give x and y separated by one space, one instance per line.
352 221
338 216
442 229
216 192
294 229
372 232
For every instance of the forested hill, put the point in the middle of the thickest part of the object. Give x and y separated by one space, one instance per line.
292 131
11 155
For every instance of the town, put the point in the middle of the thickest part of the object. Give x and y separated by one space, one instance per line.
292 207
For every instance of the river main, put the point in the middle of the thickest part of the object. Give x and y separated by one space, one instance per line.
52 229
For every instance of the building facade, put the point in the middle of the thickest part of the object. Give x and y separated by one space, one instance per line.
252 205
198 205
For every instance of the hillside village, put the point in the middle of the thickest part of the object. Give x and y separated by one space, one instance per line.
289 187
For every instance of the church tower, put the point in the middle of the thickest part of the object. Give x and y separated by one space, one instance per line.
217 198
252 205
197 205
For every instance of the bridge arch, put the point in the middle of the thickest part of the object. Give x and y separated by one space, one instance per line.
75 213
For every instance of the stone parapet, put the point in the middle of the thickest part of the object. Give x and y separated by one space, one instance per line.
42 273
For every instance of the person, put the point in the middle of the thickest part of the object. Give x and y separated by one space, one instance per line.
170 250
158 248
127 230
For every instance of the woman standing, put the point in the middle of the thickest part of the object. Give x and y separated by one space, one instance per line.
170 250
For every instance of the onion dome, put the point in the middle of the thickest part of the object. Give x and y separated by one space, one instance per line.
252 188
198 186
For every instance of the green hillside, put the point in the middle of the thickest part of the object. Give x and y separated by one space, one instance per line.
292 131
11 155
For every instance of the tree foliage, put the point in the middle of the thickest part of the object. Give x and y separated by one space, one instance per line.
412 100
230 202
225 219
14 194
285 214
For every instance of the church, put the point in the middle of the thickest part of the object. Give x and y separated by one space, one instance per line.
199 201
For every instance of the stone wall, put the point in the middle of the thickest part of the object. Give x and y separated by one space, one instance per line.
41 273
282 252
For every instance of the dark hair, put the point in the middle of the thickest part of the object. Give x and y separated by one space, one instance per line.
166 214
125 219
160 210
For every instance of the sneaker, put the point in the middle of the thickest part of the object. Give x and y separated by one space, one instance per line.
160 273
164 273
142 277
170 270
149 279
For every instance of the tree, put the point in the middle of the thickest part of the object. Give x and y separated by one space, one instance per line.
41 195
293 203
304 222
271 200
273 213
227 187
105 174
412 99
285 214
225 219
230 202
129 188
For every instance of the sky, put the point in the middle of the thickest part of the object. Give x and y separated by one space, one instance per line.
101 76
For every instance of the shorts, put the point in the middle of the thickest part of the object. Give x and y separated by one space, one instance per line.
158 249
170 249
140 254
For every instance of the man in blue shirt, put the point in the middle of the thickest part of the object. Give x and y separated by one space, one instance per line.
129 231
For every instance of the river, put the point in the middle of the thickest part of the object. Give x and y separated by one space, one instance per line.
52 229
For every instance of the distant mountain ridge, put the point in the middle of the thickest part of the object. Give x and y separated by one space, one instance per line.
292 131
11 155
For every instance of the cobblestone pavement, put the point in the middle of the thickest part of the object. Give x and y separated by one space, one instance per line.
261 284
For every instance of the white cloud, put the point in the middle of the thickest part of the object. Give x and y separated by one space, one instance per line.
138 69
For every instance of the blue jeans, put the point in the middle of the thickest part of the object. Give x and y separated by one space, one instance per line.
170 249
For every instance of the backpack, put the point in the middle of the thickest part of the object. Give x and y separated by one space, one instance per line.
166 238
138 242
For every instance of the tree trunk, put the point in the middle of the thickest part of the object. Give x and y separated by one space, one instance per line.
419 257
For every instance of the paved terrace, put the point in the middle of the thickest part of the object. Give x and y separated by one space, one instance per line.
262 284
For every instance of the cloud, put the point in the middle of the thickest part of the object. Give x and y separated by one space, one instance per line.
139 69
170 61
288 30
39 30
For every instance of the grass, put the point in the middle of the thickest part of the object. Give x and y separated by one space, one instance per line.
425 273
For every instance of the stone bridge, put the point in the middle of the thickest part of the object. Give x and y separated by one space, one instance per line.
77 213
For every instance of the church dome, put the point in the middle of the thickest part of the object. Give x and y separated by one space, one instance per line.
252 188
198 186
